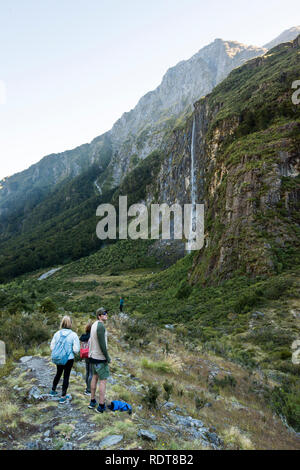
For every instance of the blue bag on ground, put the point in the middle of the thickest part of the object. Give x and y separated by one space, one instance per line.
61 350
117 405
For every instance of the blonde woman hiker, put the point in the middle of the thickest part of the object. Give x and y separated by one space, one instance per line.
65 343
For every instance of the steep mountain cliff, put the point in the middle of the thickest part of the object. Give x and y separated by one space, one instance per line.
247 166
144 128
246 163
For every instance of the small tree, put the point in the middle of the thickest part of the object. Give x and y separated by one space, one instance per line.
168 388
47 306
151 396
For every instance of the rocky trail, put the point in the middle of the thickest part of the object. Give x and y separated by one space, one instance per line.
41 373
72 426
213 403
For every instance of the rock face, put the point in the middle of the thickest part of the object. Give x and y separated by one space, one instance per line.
247 173
143 129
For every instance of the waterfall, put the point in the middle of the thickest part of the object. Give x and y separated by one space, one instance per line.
193 187
98 187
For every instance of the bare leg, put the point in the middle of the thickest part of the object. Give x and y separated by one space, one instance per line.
94 386
102 388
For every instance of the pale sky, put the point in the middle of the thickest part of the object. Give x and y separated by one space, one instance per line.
70 68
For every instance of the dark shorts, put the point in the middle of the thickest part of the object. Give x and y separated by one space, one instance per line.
102 370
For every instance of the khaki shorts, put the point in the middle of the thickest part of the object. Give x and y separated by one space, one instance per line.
102 370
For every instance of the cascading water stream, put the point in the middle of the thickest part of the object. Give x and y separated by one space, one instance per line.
193 188
98 187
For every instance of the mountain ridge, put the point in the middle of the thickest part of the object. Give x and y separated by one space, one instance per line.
119 131
286 36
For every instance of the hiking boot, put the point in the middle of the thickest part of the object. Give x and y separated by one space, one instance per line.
92 405
65 399
101 408
53 393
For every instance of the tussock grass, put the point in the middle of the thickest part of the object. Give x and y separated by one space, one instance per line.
116 425
18 380
8 415
235 439
166 366
120 393
65 430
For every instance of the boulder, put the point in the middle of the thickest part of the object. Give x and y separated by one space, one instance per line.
34 393
147 435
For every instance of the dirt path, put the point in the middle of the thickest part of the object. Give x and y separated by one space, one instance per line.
78 424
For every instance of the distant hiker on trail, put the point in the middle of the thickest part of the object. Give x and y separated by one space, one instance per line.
99 359
84 354
64 344
121 304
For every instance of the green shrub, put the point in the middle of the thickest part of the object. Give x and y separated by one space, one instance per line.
168 388
151 396
227 381
23 331
276 288
47 306
245 302
184 290
199 402
136 331
270 338
285 401
282 354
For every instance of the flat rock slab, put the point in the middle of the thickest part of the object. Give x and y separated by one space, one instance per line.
25 359
159 428
109 441
149 436
188 421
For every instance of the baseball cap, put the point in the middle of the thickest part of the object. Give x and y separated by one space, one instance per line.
101 311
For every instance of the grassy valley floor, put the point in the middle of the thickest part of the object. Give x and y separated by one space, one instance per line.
202 367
